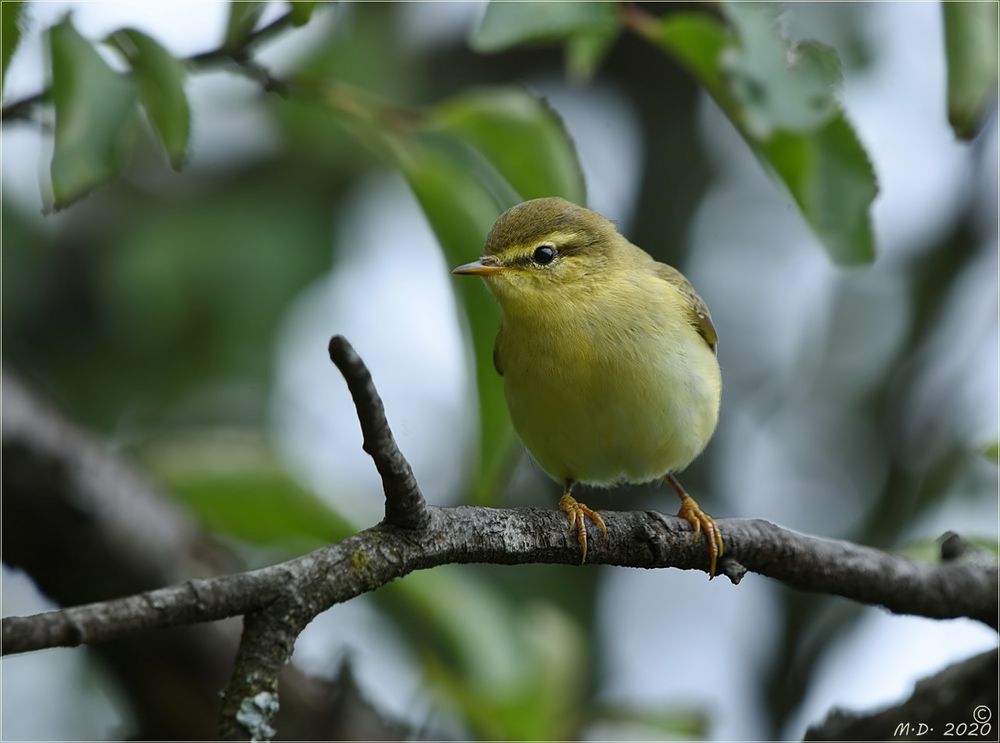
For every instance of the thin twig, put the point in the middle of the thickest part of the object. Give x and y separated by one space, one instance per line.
404 503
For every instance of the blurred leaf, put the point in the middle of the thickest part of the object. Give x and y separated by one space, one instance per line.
521 151
780 85
93 109
925 550
825 169
970 39
345 55
235 486
243 16
992 452
929 550
302 11
539 696
521 135
11 15
507 24
698 41
657 724
461 210
586 50
985 545
832 181
477 644
173 304
28 258
160 79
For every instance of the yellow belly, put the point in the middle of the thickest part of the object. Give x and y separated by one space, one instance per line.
600 402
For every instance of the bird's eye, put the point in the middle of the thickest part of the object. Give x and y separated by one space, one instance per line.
544 254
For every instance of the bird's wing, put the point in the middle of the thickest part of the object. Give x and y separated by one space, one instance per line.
699 316
496 353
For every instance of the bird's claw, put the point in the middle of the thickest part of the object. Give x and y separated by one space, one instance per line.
691 512
577 513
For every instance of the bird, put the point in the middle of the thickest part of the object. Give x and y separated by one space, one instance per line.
608 357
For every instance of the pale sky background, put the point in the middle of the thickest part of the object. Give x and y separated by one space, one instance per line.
638 616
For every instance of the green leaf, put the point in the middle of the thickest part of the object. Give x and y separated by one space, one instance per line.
970 40
507 24
235 486
302 11
929 550
586 50
698 41
992 452
656 723
521 136
791 122
243 16
534 698
160 80
94 108
985 545
11 20
831 179
780 85
477 644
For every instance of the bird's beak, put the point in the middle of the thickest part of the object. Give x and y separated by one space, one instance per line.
483 267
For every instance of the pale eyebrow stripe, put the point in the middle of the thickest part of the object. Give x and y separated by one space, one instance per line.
559 238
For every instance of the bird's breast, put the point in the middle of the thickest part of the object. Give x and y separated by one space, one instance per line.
609 395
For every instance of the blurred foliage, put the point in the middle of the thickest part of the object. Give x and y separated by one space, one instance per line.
509 24
151 309
302 11
243 16
160 81
236 485
499 147
11 15
94 115
929 550
971 42
788 115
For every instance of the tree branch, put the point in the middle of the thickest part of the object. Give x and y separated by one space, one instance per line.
404 503
949 697
279 600
250 701
466 534
86 526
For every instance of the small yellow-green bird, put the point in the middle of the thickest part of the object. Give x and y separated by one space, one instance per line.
608 357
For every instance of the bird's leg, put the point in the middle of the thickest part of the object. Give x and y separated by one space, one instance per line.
577 513
692 513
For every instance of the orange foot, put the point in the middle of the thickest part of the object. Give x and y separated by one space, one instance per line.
691 512
577 512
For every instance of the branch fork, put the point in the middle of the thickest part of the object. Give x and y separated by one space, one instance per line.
278 601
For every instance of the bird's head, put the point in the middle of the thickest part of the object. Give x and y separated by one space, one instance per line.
542 249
